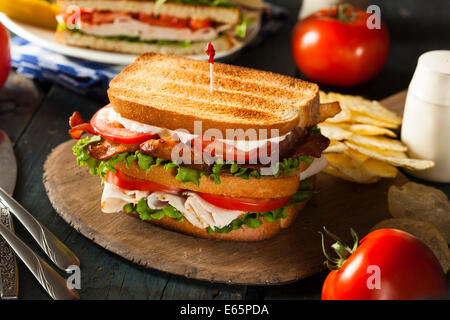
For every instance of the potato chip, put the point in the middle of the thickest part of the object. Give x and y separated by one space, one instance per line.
343 125
343 116
336 147
336 173
323 96
380 152
366 107
425 232
356 156
420 202
412 164
359 150
378 142
360 118
379 168
348 167
370 130
335 132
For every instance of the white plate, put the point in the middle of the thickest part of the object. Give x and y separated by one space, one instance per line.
46 39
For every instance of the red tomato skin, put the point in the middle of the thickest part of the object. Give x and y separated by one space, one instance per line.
196 24
118 134
129 183
244 204
408 270
337 53
5 56
163 21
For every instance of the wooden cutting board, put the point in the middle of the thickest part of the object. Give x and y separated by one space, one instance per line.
292 255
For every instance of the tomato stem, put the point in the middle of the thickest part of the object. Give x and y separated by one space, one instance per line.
329 260
341 248
343 12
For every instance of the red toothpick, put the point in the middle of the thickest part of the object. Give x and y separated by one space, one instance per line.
211 52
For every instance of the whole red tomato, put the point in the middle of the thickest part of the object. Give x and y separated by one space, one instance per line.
336 47
5 57
388 264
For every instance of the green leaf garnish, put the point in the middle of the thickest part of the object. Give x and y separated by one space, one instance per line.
188 175
241 29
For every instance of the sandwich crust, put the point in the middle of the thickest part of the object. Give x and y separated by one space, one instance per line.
78 39
172 92
266 187
265 231
178 10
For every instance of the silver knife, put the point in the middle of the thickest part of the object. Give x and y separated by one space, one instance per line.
57 251
55 285
9 275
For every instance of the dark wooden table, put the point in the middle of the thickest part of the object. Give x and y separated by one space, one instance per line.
35 117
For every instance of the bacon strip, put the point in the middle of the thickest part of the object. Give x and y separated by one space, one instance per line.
78 125
160 148
313 145
106 149
328 110
300 143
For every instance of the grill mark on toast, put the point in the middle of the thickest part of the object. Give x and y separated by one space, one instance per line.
244 96
184 105
242 74
233 103
273 95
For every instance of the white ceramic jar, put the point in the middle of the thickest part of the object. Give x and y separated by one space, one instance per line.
426 119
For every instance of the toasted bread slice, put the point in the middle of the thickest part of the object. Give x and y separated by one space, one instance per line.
172 92
78 39
251 4
183 11
266 187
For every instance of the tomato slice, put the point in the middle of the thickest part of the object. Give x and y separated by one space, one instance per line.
115 132
107 17
123 181
244 204
196 24
163 21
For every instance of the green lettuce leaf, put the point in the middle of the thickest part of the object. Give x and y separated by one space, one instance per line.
315 130
184 174
145 213
241 29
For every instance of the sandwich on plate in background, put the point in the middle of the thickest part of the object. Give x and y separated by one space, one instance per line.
236 163
180 27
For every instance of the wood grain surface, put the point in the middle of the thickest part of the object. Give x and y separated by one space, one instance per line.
292 255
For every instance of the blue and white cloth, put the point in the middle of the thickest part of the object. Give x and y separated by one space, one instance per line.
79 75
87 77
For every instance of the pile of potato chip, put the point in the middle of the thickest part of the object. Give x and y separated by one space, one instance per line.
363 144
424 212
